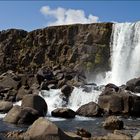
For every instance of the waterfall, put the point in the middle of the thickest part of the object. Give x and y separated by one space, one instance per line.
78 98
125 64
125 52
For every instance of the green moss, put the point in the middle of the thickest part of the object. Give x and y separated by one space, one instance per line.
97 58
89 66
18 41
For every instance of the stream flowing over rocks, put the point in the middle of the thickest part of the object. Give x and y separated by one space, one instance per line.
72 82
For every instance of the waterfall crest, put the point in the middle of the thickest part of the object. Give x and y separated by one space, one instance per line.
125 52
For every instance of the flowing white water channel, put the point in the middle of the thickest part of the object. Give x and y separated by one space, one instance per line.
125 59
78 98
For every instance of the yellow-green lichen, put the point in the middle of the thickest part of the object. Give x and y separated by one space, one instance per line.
97 58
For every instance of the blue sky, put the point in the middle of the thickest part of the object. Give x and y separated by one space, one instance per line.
27 15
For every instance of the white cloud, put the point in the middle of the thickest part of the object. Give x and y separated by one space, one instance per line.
62 16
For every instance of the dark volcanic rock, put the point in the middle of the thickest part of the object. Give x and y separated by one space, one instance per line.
43 129
5 106
9 80
66 90
44 85
84 45
36 102
19 115
90 110
83 133
112 86
114 136
133 85
112 122
22 92
44 74
63 112
121 102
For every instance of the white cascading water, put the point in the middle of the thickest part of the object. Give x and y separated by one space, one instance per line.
125 47
78 98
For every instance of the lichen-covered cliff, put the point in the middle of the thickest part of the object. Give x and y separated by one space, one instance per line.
84 47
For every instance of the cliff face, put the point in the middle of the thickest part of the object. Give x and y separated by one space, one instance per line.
83 47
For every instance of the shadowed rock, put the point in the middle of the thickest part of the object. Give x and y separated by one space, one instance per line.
43 129
36 102
63 112
112 122
90 110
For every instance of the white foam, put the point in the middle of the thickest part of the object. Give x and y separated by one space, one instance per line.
125 57
2 115
79 98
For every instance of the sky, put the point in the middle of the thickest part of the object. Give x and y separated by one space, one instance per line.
31 15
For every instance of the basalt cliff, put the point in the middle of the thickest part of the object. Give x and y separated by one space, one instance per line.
83 47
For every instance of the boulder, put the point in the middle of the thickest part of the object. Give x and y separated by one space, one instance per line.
112 86
137 136
83 133
121 102
113 136
43 129
10 95
112 104
63 112
44 73
36 102
19 115
5 106
112 123
9 80
67 90
89 110
22 92
137 89
44 85
133 84
14 135
52 86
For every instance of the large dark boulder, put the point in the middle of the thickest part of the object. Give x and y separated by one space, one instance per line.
36 102
63 113
89 110
133 85
113 104
112 86
112 123
67 90
43 129
5 106
121 102
19 115
44 85
83 133
44 73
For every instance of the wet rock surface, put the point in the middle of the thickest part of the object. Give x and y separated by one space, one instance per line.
19 115
119 102
63 112
112 122
90 110
36 102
